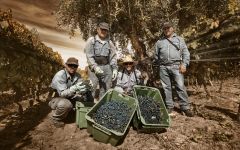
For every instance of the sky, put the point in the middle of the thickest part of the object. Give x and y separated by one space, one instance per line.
39 14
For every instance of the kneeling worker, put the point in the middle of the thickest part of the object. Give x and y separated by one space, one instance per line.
128 77
69 85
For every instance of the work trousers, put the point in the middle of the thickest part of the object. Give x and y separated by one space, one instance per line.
170 73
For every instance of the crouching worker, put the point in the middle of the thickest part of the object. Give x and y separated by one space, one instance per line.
69 87
128 77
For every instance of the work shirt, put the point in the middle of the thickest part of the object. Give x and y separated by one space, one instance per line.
167 54
97 47
126 81
62 81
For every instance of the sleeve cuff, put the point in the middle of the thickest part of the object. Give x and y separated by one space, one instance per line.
185 65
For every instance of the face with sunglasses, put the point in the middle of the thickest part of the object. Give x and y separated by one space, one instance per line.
128 66
71 68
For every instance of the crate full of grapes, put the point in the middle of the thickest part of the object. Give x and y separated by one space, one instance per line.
151 114
108 121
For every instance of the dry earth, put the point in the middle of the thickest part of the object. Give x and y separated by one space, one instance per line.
213 127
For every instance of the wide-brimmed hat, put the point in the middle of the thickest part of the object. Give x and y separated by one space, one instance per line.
128 59
72 61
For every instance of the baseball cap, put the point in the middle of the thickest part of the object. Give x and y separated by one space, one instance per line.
72 61
103 25
167 25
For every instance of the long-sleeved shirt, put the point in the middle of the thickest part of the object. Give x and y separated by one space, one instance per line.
168 54
97 47
126 81
62 81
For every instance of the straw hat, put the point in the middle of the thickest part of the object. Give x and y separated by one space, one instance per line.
128 59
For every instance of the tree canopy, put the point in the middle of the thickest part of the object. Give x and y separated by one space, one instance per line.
141 20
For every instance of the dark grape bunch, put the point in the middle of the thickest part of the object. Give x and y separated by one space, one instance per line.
113 115
150 110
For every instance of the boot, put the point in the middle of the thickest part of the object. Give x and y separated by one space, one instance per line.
188 113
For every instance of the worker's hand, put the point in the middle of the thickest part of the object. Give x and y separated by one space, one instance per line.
182 69
114 74
78 86
98 71
73 88
89 84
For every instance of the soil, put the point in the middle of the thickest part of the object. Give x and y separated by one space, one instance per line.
213 127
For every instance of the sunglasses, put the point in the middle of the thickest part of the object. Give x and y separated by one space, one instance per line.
72 66
128 63
105 30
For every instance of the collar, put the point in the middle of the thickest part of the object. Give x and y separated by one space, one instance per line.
164 37
69 76
100 40
173 35
128 73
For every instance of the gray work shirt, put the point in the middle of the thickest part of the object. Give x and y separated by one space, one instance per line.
168 54
62 81
97 47
127 81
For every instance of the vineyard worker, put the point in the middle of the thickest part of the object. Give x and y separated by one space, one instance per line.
173 57
101 58
67 83
128 77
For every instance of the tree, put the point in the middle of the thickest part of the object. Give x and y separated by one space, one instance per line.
141 20
211 29
129 19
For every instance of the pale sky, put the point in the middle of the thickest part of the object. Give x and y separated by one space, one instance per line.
39 14
63 44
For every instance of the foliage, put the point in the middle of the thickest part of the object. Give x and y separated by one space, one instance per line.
128 19
26 63
210 28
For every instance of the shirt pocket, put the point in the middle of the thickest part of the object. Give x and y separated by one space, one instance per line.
125 84
97 49
177 43
105 50
133 81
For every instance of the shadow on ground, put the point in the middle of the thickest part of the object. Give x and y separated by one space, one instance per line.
227 112
21 124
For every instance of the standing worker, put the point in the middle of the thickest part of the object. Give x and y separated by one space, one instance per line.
101 58
173 57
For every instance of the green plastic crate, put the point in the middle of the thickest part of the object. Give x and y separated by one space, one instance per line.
81 109
138 121
101 133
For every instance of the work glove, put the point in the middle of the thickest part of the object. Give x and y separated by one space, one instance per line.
81 87
98 71
114 74
76 87
182 68
88 84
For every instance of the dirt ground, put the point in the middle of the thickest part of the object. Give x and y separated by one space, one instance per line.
213 127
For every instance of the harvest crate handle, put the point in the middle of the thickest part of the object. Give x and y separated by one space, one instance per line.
143 88
99 128
124 96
